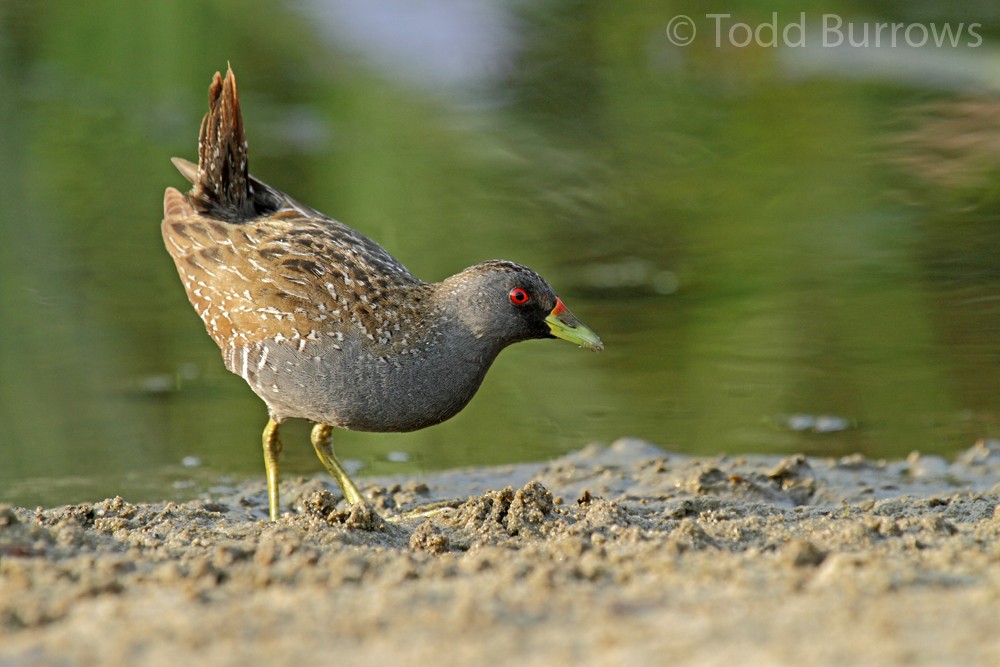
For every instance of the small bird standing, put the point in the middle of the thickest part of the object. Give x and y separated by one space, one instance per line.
320 320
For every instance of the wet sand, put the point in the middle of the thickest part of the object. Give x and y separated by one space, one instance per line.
620 555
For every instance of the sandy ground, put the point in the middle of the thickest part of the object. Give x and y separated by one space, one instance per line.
624 555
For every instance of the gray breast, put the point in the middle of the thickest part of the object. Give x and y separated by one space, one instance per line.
347 382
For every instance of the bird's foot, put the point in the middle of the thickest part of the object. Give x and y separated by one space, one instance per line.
425 511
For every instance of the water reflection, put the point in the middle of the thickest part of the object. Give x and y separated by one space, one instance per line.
751 246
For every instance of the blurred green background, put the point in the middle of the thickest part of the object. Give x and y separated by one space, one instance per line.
783 248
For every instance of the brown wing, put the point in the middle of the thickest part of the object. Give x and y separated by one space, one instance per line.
288 277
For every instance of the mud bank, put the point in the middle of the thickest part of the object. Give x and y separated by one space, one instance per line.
624 555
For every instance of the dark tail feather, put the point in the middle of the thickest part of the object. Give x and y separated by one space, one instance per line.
223 188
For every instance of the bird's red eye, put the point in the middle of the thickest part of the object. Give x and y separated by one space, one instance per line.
519 296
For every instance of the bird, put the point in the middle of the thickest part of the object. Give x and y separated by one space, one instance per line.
321 321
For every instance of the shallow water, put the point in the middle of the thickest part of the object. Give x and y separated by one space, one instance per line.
783 249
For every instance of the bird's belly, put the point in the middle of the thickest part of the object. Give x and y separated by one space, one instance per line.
354 389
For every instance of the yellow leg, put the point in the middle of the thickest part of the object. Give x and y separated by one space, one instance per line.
323 444
272 448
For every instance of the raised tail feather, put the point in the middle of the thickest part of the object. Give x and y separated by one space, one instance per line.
222 186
